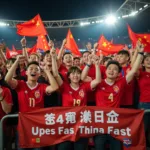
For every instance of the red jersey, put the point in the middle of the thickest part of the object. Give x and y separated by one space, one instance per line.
7 97
110 95
30 98
63 71
144 86
72 97
23 73
129 89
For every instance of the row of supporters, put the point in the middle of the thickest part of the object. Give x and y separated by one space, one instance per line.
37 81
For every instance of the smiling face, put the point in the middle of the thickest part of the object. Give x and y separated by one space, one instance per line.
123 59
33 72
146 62
68 60
47 59
112 71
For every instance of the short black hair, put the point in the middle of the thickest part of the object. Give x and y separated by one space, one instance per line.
33 63
106 59
86 52
45 53
67 53
124 52
72 70
114 63
76 58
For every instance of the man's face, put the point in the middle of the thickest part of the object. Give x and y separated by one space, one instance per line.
77 62
89 46
33 72
123 59
112 71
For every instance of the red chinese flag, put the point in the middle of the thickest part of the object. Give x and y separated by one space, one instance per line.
8 56
71 44
143 38
57 50
32 50
33 27
13 48
108 47
42 43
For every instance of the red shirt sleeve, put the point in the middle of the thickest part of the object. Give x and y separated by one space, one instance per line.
7 95
87 86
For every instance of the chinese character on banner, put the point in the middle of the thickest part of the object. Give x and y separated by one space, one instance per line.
99 116
70 117
86 116
50 119
112 117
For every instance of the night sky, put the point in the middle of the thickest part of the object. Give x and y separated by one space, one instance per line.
72 9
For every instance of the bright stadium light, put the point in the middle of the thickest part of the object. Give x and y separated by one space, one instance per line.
140 9
3 24
145 5
125 16
110 20
133 13
84 23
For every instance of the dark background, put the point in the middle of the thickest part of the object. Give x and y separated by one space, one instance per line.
71 9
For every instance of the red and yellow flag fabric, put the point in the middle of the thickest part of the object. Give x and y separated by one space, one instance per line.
108 47
71 44
33 27
143 38
42 43
32 50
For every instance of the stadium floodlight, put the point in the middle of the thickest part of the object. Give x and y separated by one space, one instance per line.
140 9
84 23
3 24
145 5
110 20
125 16
93 22
133 13
118 17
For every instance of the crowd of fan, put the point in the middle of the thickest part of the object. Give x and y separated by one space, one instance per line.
37 81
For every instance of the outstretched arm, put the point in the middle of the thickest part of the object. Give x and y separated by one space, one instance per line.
136 65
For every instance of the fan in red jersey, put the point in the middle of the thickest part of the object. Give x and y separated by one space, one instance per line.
30 93
144 91
110 92
74 93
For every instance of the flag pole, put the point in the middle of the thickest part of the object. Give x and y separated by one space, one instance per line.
48 37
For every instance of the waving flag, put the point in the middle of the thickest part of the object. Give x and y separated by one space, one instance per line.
71 44
33 27
11 54
108 47
143 38
42 43
32 50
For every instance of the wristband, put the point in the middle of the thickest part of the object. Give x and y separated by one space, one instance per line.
141 53
88 65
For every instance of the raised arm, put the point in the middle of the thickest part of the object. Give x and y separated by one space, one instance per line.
86 68
9 76
53 84
133 59
98 78
25 53
55 68
2 55
136 65
61 52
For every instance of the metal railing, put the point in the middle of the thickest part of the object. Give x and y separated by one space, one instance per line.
16 116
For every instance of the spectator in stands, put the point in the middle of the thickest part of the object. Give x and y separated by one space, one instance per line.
74 93
76 61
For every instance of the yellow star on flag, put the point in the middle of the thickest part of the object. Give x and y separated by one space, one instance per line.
145 37
33 20
42 36
43 40
104 44
37 24
45 47
71 36
140 39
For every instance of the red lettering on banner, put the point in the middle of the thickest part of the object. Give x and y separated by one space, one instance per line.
40 128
